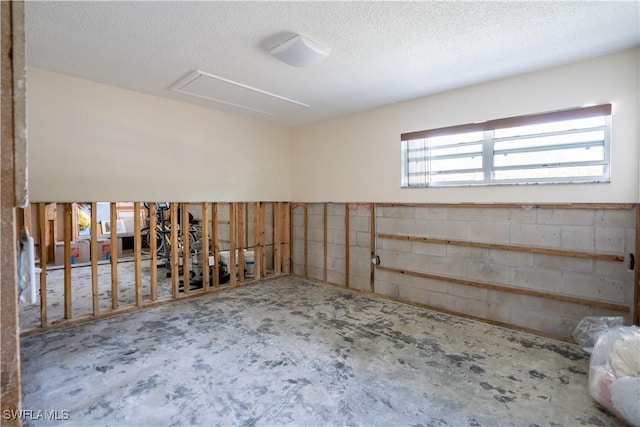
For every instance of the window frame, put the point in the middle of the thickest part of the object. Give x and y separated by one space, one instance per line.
488 149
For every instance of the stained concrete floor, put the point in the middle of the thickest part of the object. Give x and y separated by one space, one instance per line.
290 352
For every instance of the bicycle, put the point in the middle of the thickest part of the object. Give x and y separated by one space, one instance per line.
163 231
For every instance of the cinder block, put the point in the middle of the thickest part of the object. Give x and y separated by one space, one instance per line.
338 236
315 209
335 222
413 262
469 292
336 264
384 288
477 308
398 212
447 229
388 258
615 218
314 221
298 220
535 235
430 284
490 273
359 282
537 279
444 266
522 215
431 213
386 225
298 269
395 245
413 227
359 223
336 277
466 253
315 248
566 216
421 248
562 263
615 269
578 237
449 302
592 286
358 253
335 250
315 234
363 239
411 294
488 232
478 214
511 258
298 232
315 272
610 239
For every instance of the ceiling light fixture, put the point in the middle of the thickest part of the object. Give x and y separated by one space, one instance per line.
299 51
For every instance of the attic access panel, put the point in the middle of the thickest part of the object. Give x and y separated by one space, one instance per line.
229 93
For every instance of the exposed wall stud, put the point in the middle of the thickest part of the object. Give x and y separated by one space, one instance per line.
42 221
324 241
214 243
204 255
241 228
94 258
175 268
113 255
68 212
306 241
186 250
153 248
346 243
137 253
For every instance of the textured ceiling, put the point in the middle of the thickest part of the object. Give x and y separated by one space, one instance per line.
381 52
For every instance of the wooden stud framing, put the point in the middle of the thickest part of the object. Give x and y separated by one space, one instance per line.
520 291
186 250
263 240
232 243
529 249
68 211
636 278
174 249
42 221
137 253
240 242
93 242
306 243
346 243
113 256
277 237
286 228
214 243
204 260
258 246
153 248
12 161
324 241
372 230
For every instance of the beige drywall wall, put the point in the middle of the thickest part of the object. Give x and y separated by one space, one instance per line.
92 142
357 157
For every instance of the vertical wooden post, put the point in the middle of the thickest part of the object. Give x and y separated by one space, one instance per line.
306 243
214 243
12 189
258 247
324 240
277 238
205 247
67 259
137 253
174 249
263 240
153 248
372 228
287 238
113 255
636 278
186 250
346 244
26 219
232 243
241 239
94 258
42 223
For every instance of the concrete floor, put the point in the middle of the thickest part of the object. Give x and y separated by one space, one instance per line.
290 352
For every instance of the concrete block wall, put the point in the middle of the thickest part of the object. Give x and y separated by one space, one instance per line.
336 238
360 248
588 230
297 241
315 241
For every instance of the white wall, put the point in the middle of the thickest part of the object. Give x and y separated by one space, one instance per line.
91 142
357 157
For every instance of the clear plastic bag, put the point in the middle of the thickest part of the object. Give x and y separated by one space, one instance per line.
614 367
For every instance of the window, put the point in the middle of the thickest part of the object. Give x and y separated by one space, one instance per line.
559 147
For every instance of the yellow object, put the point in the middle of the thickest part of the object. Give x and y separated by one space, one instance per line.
84 220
